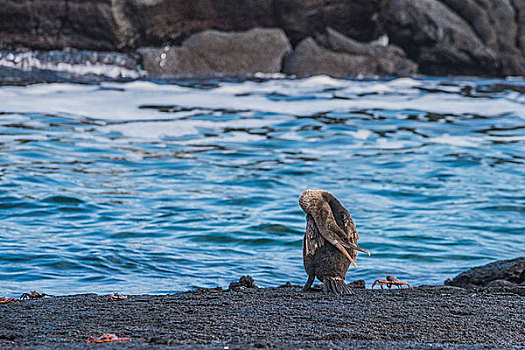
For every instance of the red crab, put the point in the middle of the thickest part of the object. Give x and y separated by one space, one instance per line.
106 338
3 300
35 295
117 296
390 281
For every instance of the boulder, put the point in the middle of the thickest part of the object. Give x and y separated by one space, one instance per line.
343 57
244 283
444 37
499 273
359 284
220 53
465 37
519 6
56 24
114 24
300 19
309 58
497 24
159 22
391 59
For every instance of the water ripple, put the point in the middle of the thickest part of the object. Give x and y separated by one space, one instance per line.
155 188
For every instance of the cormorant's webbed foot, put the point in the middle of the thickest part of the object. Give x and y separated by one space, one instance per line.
337 286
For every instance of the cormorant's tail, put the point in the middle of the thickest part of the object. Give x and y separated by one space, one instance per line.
336 285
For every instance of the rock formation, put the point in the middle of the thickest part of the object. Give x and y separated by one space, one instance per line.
339 56
496 274
443 37
213 52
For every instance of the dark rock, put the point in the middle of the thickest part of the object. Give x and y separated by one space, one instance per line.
309 59
207 290
289 285
303 18
496 24
111 24
244 282
467 37
359 284
213 52
287 318
58 24
499 273
438 39
171 21
500 283
519 6
391 59
343 57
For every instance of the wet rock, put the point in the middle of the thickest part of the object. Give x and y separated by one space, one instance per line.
339 56
303 18
207 290
171 21
519 8
445 37
497 24
244 283
391 59
278 318
219 53
499 273
56 24
444 42
500 283
289 285
309 58
359 284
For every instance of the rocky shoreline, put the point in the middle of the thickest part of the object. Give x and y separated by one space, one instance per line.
340 38
244 316
423 318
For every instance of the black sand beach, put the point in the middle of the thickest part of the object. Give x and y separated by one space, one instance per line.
427 317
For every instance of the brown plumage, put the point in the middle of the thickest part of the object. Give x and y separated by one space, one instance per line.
330 241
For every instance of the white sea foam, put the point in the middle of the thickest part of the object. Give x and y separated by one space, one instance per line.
361 134
385 143
160 129
27 61
121 101
461 141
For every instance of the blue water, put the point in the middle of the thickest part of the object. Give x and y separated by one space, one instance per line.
156 188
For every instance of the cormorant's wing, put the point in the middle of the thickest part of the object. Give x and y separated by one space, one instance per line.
348 231
312 238
328 228
332 219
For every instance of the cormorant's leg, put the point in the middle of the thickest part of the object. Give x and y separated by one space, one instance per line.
308 284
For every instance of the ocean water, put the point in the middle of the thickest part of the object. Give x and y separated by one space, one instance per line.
148 187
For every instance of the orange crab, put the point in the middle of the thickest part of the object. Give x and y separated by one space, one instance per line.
117 296
35 295
106 338
391 281
3 300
